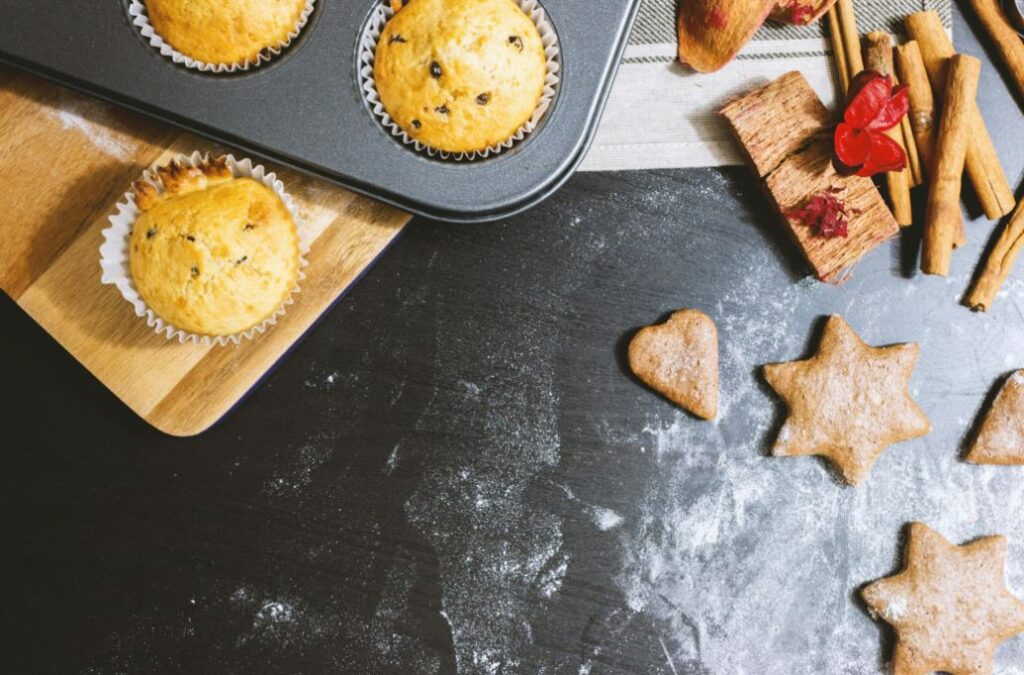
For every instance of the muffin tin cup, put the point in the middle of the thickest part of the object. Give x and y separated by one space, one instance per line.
140 18
114 252
382 13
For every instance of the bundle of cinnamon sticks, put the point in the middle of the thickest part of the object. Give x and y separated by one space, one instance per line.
944 134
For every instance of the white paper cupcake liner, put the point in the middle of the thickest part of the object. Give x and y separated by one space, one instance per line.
382 13
116 267
139 17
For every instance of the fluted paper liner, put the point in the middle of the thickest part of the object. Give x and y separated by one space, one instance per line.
382 13
114 252
140 18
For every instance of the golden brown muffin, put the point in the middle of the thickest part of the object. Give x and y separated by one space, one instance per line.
460 75
212 254
224 32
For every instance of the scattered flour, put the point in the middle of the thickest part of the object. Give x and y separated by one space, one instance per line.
80 115
605 519
307 459
752 563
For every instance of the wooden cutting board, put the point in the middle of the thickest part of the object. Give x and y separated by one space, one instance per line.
65 161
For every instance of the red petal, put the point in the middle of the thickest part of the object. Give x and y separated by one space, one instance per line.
886 155
852 145
862 78
870 99
893 112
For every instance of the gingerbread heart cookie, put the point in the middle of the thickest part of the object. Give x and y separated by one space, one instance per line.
679 359
1001 438
949 605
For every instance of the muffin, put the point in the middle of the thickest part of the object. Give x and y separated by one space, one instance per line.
460 75
225 32
212 254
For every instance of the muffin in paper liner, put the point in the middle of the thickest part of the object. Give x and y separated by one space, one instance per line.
140 18
115 262
383 12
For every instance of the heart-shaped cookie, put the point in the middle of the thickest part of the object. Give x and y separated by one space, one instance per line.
1001 438
679 359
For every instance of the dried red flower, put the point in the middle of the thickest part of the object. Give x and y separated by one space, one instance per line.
874 107
828 215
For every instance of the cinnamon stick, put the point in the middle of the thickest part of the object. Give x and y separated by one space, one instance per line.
851 38
983 167
878 57
911 70
1005 37
950 153
910 145
838 51
922 105
998 264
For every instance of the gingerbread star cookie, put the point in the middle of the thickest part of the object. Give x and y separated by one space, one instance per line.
1001 438
679 359
848 402
949 605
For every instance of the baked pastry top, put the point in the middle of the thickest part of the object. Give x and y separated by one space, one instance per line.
212 254
460 75
227 32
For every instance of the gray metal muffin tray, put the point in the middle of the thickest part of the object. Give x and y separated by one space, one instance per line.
304 108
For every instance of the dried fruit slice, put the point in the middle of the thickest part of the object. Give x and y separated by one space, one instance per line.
800 12
712 31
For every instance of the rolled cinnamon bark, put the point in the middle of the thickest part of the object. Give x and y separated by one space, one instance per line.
851 38
911 70
838 52
983 167
943 212
1005 37
998 263
878 57
910 145
922 105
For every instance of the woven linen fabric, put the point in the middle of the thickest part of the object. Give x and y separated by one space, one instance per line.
662 114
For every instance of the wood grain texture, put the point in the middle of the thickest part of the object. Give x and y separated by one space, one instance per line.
65 161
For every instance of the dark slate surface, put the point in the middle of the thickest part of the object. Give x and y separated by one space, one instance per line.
454 471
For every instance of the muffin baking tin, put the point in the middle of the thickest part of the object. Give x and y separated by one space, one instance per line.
304 108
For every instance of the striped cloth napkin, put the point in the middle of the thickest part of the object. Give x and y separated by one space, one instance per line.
662 115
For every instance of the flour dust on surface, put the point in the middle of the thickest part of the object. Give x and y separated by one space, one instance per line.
753 563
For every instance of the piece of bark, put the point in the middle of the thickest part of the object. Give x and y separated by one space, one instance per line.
835 32
1001 437
774 121
983 167
851 38
878 57
911 70
810 172
1007 40
913 158
943 211
922 113
784 130
998 263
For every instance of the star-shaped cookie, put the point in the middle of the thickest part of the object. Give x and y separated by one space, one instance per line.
848 402
1001 438
949 605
